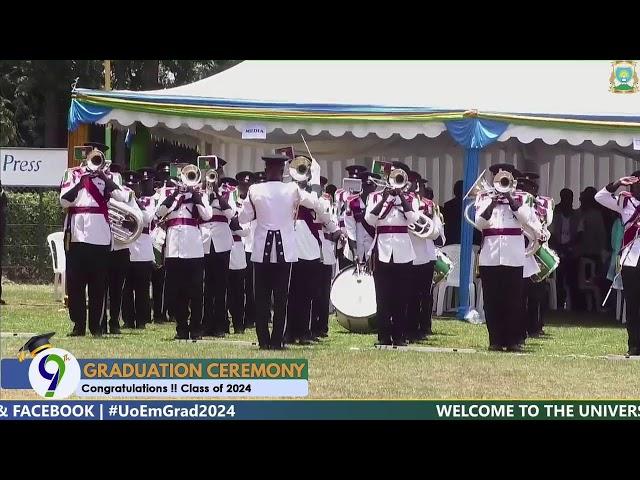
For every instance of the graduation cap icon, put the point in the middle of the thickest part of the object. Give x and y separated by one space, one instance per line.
35 345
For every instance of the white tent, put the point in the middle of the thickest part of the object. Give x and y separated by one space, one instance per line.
563 120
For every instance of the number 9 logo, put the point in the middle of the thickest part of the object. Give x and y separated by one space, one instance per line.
54 373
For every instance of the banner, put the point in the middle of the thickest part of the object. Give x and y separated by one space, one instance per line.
32 167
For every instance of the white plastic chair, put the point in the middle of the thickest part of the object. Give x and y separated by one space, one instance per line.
453 279
59 262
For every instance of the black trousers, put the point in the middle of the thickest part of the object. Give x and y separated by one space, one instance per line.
249 295
235 298
216 278
502 294
184 286
271 279
320 304
392 298
116 273
86 270
419 303
136 303
158 293
303 288
532 296
567 272
631 282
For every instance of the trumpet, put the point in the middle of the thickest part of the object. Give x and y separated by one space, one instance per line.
211 180
398 179
95 160
190 177
300 168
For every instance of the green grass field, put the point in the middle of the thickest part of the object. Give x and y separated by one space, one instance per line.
570 363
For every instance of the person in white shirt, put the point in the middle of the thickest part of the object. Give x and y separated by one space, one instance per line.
390 212
359 233
306 273
419 305
136 303
273 206
245 180
162 179
627 204
341 196
181 212
501 218
533 292
329 237
84 195
237 273
217 243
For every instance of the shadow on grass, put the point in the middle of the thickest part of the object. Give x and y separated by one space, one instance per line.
563 319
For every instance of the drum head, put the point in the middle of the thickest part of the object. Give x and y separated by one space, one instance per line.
354 297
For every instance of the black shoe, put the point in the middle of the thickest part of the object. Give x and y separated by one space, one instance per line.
264 347
402 343
515 348
2 302
384 343
115 331
97 334
495 348
323 335
160 320
219 335
141 326
305 341
128 326
196 337
181 337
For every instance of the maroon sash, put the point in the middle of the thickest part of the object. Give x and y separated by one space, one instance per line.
630 227
355 208
305 215
88 184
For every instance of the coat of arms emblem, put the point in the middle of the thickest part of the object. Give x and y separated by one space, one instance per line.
624 78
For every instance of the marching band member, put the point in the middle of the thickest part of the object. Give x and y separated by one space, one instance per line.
136 304
162 180
118 269
184 256
237 276
307 271
627 204
245 180
84 195
501 219
329 237
390 212
272 205
341 195
419 307
533 292
217 241
359 233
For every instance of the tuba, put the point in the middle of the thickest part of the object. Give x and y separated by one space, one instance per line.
119 212
190 176
300 168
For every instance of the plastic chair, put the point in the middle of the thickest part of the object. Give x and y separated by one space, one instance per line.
59 262
453 279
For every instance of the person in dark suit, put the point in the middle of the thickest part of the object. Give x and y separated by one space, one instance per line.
452 213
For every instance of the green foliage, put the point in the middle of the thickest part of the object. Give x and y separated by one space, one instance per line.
31 216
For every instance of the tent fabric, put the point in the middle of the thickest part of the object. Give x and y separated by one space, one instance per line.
538 99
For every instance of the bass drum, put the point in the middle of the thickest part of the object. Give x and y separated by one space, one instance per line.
353 294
